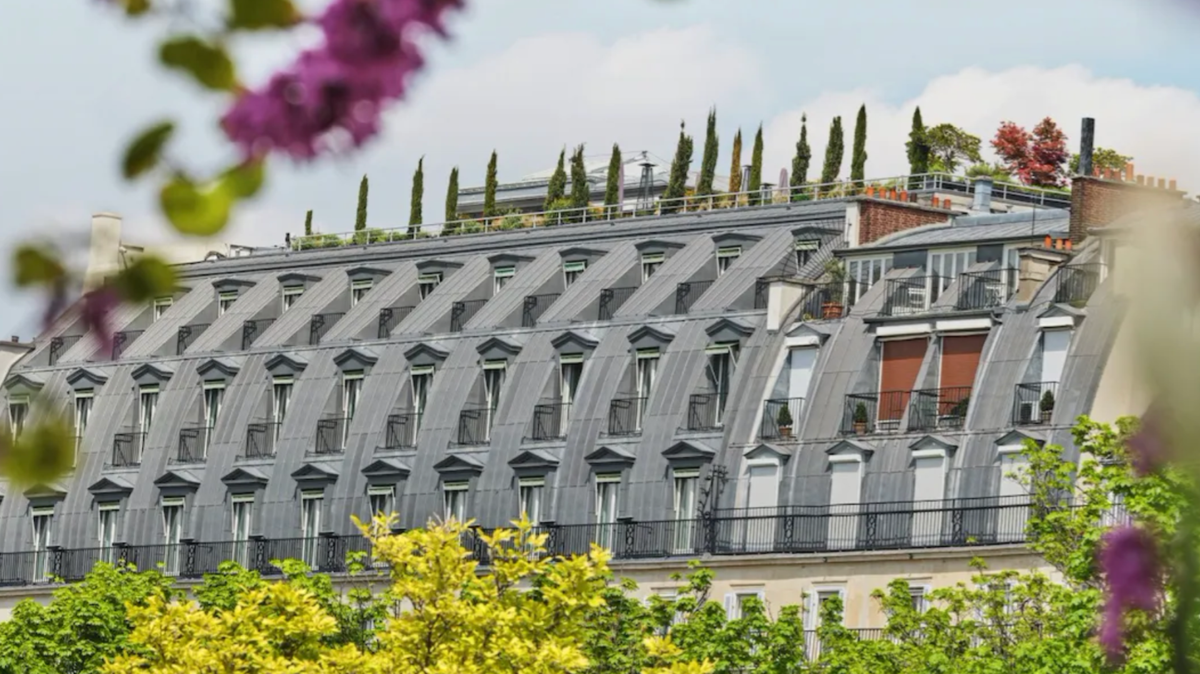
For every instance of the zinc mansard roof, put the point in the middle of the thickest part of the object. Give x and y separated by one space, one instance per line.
976 229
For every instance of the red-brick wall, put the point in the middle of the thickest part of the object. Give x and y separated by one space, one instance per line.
1096 202
878 218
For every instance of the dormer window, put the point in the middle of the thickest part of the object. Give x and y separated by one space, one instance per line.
359 290
501 276
18 412
946 266
213 393
805 249
161 304
864 273
291 294
493 383
650 264
427 283
573 270
147 406
722 358
725 257
422 378
225 300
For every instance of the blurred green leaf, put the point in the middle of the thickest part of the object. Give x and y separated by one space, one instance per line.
144 150
245 179
145 279
135 7
262 14
194 209
207 63
35 265
44 451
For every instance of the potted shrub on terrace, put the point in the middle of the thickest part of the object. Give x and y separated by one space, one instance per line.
958 413
1046 406
860 418
836 272
784 421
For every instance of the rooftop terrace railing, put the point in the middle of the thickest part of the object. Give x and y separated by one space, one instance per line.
828 301
59 345
401 431
252 329
910 296
611 299
1075 284
570 217
985 289
462 312
186 335
261 437
746 531
321 324
686 294
123 339
534 306
390 317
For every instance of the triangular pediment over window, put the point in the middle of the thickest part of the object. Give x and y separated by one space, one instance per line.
933 442
609 456
86 378
114 485
458 463
285 365
507 259
1061 316
355 359
248 476
729 330
386 470
27 384
734 239
576 253
367 273
232 284
851 450
498 348
804 334
650 337
574 341
177 480
1017 438
45 494
294 278
533 462
656 246
151 373
427 353
767 452
689 450
218 369
315 472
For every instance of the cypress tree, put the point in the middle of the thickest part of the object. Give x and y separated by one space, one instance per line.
755 186
452 196
735 168
803 156
708 164
580 190
612 187
557 189
918 146
489 188
858 159
360 218
833 152
677 182
418 193
308 223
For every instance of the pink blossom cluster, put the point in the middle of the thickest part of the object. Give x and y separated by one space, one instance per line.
368 55
1133 576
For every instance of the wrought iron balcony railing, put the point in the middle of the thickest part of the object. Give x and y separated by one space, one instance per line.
252 329
59 345
534 307
261 438
1075 284
761 288
127 449
704 411
686 294
985 289
550 421
1033 403
829 301
331 435
462 312
939 408
123 339
401 431
625 415
911 296
320 324
611 299
878 412
778 425
390 317
188 334
475 425
193 444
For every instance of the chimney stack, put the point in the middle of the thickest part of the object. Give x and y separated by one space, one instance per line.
1086 140
983 195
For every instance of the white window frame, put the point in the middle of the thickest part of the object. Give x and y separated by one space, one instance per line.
160 306
281 390
568 387
241 525
225 301
172 519
107 521
359 289
685 494
41 520
733 601
606 517
454 500
854 273
427 283
377 493
808 247
312 502
501 277
967 256
84 404
645 377
572 271
352 386
494 374
726 255
147 394
290 295
651 263
531 492
920 596
812 616
213 397
17 421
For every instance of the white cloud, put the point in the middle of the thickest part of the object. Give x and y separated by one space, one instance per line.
1155 124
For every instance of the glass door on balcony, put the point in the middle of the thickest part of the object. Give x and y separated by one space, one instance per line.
427 283
944 268
531 489
381 499
43 526
83 413
18 410
570 371
493 383
311 502
606 508
722 358
107 529
281 399
861 274
422 377
351 391
172 513
243 510
684 510
647 364
454 501
650 264
213 393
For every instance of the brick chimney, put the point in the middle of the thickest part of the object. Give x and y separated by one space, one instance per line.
1098 198
870 218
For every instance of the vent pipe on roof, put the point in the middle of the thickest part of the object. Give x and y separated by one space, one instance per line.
983 195
1086 138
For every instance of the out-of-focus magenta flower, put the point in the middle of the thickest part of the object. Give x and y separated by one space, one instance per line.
57 303
97 310
1146 448
365 62
1133 580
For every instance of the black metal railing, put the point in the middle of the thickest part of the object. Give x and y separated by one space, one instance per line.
704 411
939 408
475 425
127 449
464 311
331 435
252 329
1034 403
878 412
123 339
193 444
534 307
611 299
401 431
983 290
59 345
261 437
390 317
625 415
320 324
186 335
828 301
761 288
771 530
777 425
686 294
910 296
1075 284
550 421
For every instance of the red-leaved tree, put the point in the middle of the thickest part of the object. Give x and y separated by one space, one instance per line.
1036 158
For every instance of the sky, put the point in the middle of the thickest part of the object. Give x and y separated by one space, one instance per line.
526 77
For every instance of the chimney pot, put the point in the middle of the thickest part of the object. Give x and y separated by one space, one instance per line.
1172 184
1047 242
1162 183
1086 138
982 193
903 195
16 339
870 190
1141 179
1129 172
1067 244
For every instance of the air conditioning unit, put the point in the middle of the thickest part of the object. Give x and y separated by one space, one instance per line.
1027 412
